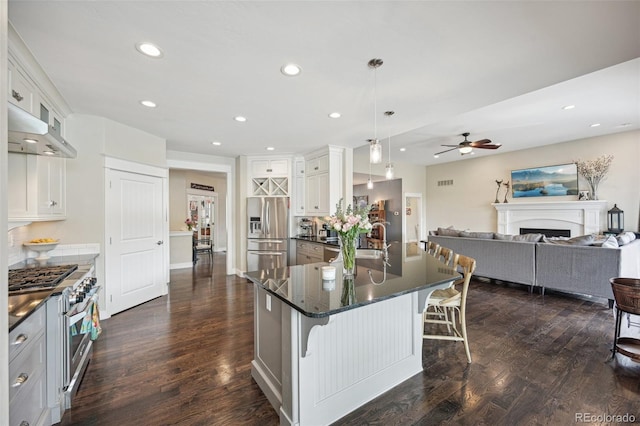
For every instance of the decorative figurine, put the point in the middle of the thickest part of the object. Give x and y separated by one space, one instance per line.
506 184
499 183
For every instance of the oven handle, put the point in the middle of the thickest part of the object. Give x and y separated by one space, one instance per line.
72 318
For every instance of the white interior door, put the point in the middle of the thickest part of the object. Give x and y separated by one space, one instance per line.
135 266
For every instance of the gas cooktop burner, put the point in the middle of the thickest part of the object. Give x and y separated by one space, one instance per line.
38 278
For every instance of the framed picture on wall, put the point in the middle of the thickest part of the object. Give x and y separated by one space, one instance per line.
547 181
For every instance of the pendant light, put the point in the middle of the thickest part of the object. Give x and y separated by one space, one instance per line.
389 168
375 148
369 181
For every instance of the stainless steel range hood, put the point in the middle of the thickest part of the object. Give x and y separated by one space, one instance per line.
30 135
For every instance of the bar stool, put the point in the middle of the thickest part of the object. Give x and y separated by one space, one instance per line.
626 292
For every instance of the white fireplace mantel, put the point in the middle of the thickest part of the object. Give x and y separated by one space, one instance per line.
580 217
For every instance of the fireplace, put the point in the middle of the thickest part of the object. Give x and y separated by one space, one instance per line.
579 217
547 232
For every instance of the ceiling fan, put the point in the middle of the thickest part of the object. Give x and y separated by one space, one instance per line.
466 146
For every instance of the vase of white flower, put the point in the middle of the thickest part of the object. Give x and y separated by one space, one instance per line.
594 171
349 224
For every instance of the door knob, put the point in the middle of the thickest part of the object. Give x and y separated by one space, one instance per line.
160 242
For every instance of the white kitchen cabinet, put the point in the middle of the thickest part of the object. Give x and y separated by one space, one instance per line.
27 378
269 176
324 181
22 92
308 252
298 198
36 187
269 167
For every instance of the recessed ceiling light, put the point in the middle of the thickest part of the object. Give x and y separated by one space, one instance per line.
403 149
568 107
335 115
436 156
290 70
270 148
49 152
216 143
29 140
595 125
149 49
240 118
624 125
149 104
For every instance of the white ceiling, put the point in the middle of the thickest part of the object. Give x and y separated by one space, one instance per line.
499 70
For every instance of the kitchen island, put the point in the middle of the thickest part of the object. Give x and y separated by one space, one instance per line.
320 351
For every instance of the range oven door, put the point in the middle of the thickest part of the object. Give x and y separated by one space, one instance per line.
78 346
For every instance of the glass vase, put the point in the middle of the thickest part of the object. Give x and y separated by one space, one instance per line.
348 291
348 250
594 190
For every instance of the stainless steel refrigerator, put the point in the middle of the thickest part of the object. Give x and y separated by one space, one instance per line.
268 232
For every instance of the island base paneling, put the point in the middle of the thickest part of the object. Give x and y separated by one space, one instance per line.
329 370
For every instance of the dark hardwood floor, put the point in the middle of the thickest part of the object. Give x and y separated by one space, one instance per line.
184 359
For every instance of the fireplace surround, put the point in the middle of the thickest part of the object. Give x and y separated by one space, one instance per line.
579 217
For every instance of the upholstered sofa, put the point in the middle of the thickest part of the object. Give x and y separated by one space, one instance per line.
569 266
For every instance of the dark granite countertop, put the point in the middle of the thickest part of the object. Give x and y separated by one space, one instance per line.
24 304
303 288
331 242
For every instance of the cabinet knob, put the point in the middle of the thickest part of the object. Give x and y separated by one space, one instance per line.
17 96
160 242
20 380
53 203
20 339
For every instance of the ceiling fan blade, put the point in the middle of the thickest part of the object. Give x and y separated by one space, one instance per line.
452 146
442 152
480 142
488 146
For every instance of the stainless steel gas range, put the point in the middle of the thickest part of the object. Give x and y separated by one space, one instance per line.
72 324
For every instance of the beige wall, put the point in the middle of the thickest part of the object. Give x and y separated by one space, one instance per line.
180 186
131 144
467 203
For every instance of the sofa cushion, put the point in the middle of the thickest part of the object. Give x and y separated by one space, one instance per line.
625 238
529 238
582 240
480 235
448 232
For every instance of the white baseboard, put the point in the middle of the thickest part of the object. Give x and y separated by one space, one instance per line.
181 265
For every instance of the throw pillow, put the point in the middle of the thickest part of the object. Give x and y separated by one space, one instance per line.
582 240
479 235
610 242
448 232
503 237
625 238
529 238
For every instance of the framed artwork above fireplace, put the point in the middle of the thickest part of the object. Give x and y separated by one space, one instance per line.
547 181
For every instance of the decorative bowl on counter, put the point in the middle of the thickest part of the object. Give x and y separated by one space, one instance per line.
43 249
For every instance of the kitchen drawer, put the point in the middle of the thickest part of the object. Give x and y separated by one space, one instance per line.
26 333
27 367
307 252
30 405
